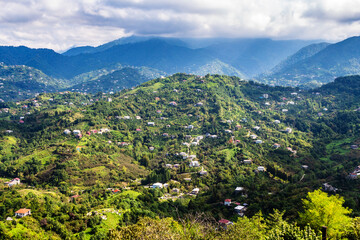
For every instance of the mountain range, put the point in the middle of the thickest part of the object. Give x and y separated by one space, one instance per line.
287 62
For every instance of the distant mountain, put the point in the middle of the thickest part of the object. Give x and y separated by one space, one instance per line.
19 82
126 77
339 59
120 41
255 56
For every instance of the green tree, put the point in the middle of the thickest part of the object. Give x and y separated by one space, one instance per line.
324 210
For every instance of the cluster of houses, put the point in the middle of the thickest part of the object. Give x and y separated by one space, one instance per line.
78 134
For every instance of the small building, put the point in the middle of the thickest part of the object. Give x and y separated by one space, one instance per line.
157 185
328 188
240 210
15 181
256 128
168 165
175 190
194 164
195 191
76 132
261 169
276 121
151 124
22 212
276 145
227 202
151 148
67 131
224 223
305 167
354 146
288 130
247 161
239 189
258 141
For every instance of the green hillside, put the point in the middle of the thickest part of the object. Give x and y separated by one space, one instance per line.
189 132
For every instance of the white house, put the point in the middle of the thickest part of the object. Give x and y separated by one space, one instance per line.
67 131
157 185
195 191
258 141
277 121
22 212
194 164
151 124
13 182
247 161
76 132
261 169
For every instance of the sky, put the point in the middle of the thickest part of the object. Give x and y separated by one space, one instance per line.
61 24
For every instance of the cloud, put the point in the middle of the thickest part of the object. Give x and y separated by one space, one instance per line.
60 24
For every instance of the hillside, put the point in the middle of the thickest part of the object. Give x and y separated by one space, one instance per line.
187 131
21 82
335 60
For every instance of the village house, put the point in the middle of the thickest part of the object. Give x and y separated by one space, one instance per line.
175 190
224 223
151 124
67 131
176 166
276 121
151 148
157 185
191 157
173 103
288 130
138 117
168 165
261 169
195 191
199 104
15 181
276 145
76 132
189 127
256 128
194 164
22 212
258 141
247 161
8 131
305 167
240 210
354 146
328 188
227 202
284 110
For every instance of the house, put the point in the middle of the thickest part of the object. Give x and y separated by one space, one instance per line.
173 103
224 223
191 157
276 145
276 121
138 117
151 124
109 100
74 196
284 110
67 131
13 182
240 210
261 169
228 131
265 95
288 130
76 132
157 185
203 172
151 148
195 143
195 191
239 189
168 165
258 141
227 202
115 190
199 104
8 131
127 117
328 188
354 146
190 127
22 212
176 166
253 136
138 130
305 167
247 161
256 128
194 164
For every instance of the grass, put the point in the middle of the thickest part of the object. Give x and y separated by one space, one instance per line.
39 193
337 147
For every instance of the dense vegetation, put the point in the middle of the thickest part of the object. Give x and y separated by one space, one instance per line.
154 132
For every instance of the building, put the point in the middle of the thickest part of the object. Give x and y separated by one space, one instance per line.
239 189
157 185
151 124
276 145
22 212
224 223
195 191
13 182
194 164
227 202
247 161
261 169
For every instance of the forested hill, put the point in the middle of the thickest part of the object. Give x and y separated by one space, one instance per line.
88 164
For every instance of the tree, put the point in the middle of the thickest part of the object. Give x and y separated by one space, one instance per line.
324 210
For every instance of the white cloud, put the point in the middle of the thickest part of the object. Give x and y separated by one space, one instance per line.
59 24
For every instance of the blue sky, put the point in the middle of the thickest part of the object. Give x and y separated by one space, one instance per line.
60 24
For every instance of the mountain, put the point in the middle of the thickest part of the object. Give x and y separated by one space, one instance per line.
106 166
255 56
19 82
116 80
335 60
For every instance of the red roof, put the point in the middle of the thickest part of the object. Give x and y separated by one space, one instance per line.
75 196
116 190
224 221
227 200
23 210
